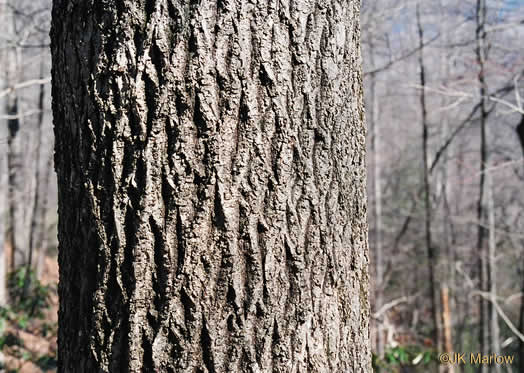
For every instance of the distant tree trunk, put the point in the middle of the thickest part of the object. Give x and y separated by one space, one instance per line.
212 187
3 211
483 271
36 201
492 269
449 187
13 156
446 323
434 292
447 259
521 322
374 124
13 126
42 232
4 169
462 309
520 133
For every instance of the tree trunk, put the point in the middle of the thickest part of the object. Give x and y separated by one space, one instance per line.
4 170
374 123
211 171
480 36
3 211
13 126
446 324
492 271
37 197
42 233
433 287
13 167
13 156
521 322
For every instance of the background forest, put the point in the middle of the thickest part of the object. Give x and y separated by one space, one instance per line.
443 83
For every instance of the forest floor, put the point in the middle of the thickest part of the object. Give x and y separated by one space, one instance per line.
29 338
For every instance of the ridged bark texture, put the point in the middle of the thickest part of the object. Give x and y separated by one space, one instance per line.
211 167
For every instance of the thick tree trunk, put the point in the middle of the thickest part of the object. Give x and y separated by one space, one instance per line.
211 170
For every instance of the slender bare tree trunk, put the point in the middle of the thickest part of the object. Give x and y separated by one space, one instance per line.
13 127
4 170
37 197
446 323
3 212
42 232
374 123
14 161
492 268
212 187
434 293
520 134
521 322
481 58
447 261
3 225
462 310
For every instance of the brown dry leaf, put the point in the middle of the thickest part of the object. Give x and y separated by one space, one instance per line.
36 344
11 362
50 272
29 367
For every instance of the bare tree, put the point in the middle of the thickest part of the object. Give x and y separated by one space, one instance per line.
433 287
37 197
374 123
480 37
13 128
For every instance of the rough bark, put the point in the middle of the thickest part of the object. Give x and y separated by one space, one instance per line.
211 168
